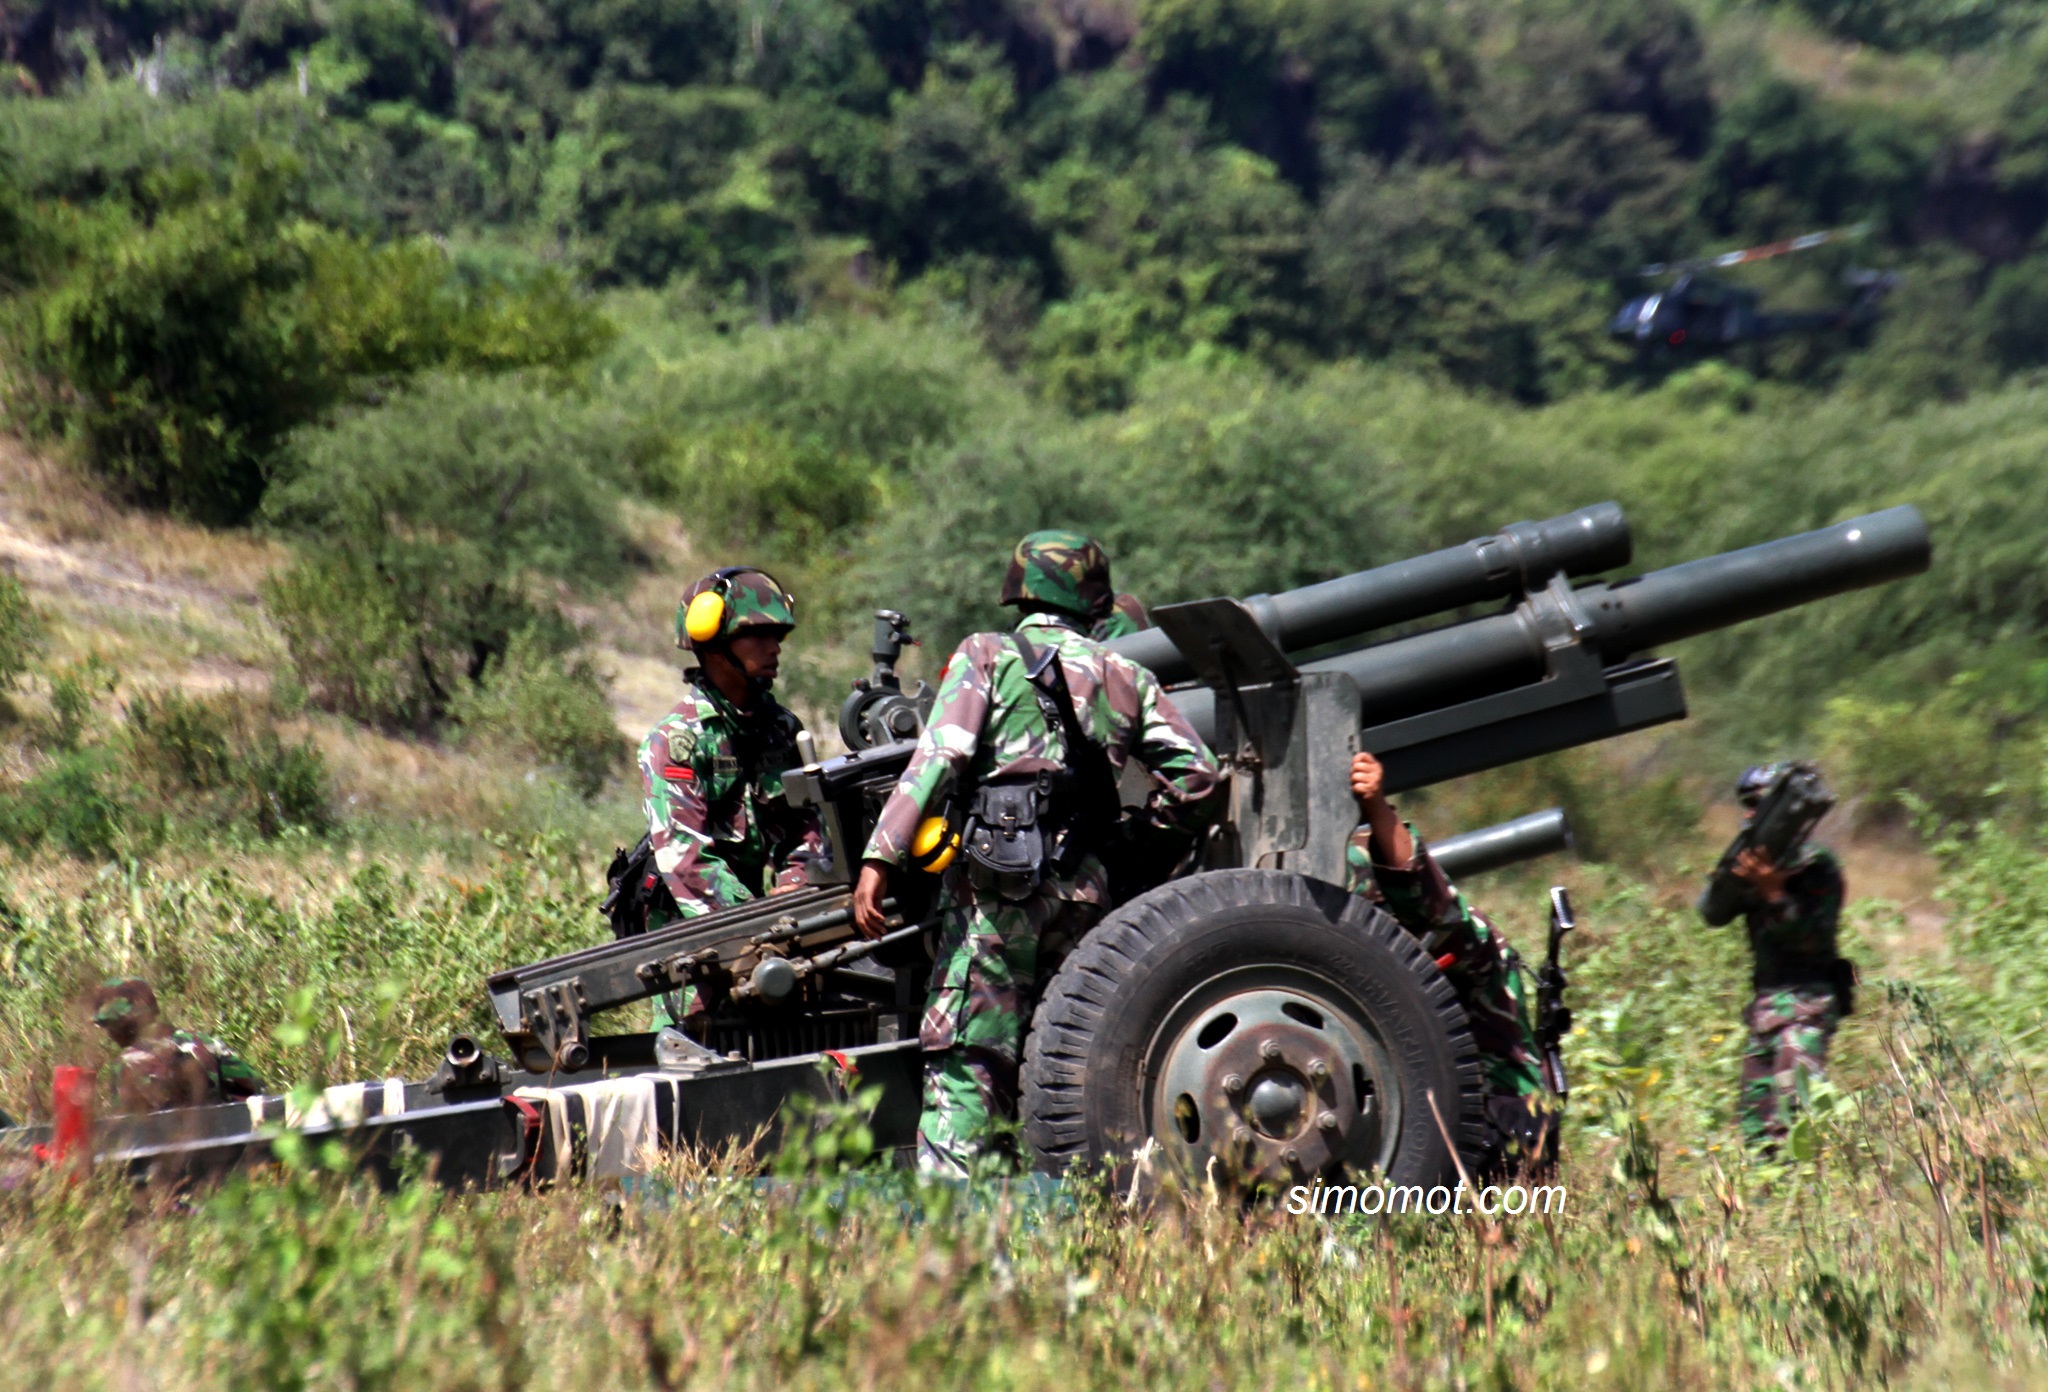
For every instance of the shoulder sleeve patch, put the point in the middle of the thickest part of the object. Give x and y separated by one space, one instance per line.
682 745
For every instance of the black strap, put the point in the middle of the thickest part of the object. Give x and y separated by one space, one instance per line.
1099 804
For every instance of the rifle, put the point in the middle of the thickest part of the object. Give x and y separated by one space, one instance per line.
1785 816
1553 1016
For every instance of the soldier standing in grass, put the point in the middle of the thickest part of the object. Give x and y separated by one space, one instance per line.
1802 985
996 749
712 768
1390 865
163 1067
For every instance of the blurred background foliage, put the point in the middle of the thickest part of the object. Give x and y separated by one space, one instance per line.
1258 291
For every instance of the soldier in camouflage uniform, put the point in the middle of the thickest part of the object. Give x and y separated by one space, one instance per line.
1391 866
1125 617
1802 986
990 728
712 768
162 1067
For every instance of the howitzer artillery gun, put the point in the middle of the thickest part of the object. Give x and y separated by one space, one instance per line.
1253 968
1248 1013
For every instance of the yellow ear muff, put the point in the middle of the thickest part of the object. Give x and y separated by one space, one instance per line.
704 617
934 845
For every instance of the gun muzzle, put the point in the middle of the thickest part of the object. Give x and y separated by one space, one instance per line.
1509 843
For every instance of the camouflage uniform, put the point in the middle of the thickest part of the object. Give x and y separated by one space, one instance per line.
717 824
1125 617
1796 1005
161 1067
1483 970
182 1069
988 725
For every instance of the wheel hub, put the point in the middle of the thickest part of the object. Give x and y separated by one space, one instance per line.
1276 1104
1271 1083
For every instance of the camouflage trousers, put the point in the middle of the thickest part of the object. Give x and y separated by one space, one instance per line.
1789 1030
984 977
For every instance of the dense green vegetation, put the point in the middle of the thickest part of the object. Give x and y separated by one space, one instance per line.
1264 291
471 309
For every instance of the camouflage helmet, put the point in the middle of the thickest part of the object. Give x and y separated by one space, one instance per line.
1755 782
728 600
122 997
1063 570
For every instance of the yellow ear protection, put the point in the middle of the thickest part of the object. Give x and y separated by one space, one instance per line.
706 614
934 844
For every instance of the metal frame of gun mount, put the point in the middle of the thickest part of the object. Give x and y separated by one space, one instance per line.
1785 817
878 710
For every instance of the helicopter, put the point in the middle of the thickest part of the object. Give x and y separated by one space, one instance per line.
1700 312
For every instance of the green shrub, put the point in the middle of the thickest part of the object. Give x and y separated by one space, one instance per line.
437 526
221 761
537 702
183 348
22 631
346 637
748 482
79 802
1955 757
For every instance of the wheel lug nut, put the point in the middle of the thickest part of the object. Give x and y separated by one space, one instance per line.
1291 1156
1327 1121
1318 1070
1233 1084
1241 1134
1270 1051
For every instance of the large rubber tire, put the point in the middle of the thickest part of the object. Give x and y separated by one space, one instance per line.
1144 1031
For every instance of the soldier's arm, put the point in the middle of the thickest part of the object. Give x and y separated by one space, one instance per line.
943 751
1810 903
1184 772
1388 862
679 823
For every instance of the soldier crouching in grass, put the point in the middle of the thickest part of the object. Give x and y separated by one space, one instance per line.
163 1067
1389 864
718 827
996 746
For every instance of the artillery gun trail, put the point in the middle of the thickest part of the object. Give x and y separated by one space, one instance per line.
1247 1013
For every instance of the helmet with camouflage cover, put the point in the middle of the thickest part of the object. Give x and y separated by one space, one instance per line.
1062 570
729 600
123 998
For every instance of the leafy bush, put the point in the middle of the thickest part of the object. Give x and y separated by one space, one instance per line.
347 636
75 802
221 761
793 435
436 526
536 702
210 763
184 347
1952 759
22 631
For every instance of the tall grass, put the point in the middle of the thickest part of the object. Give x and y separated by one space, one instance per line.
1900 1238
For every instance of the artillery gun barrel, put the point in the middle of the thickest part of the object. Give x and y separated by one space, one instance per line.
1520 556
1506 843
1480 656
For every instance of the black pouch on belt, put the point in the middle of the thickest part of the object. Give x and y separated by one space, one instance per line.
1005 836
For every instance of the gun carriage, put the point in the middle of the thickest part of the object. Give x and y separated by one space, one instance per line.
1246 1012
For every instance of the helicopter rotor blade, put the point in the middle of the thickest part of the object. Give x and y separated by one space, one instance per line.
1759 253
